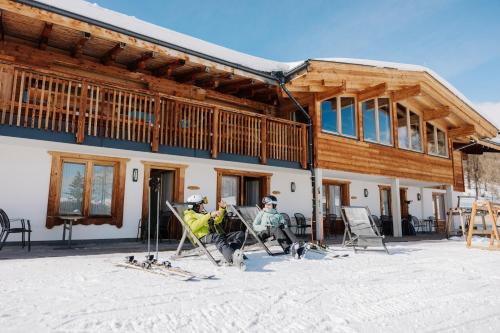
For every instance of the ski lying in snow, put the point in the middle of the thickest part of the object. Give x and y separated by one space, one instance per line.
166 266
323 249
145 267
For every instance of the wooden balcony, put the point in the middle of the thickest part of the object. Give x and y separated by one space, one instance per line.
55 103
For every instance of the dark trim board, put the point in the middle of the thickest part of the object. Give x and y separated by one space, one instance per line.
43 135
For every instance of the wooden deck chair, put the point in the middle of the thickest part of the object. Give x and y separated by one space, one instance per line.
178 211
247 215
360 229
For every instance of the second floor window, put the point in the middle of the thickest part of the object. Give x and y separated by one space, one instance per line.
436 141
409 134
377 121
338 115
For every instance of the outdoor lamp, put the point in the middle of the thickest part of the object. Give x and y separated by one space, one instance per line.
419 196
293 187
365 192
135 175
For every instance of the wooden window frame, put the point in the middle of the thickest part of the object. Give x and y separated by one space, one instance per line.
377 121
264 176
179 180
409 109
403 196
118 193
345 187
339 116
435 153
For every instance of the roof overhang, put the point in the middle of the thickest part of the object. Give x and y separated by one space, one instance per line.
478 147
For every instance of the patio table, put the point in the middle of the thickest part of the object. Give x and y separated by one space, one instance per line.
68 225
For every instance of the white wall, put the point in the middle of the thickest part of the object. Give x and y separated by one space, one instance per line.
25 175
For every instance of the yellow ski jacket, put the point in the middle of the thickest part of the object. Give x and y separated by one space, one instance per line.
198 223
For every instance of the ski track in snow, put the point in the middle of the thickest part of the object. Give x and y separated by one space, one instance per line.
428 286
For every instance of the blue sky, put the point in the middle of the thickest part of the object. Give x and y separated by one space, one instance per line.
459 39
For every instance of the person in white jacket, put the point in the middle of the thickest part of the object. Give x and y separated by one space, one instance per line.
270 223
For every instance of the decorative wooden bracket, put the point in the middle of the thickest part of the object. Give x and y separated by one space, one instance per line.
78 48
140 63
111 55
167 69
372 92
406 92
432 114
193 75
332 93
44 37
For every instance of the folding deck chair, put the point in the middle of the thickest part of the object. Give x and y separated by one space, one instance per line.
360 229
178 211
247 215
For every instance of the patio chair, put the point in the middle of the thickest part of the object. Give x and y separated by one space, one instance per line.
301 223
5 224
178 211
288 221
247 215
387 226
378 223
418 225
360 229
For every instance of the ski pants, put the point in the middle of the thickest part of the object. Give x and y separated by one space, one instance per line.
226 243
284 236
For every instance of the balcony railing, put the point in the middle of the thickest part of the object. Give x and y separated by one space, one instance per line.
54 103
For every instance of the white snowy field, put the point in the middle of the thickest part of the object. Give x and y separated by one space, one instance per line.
426 286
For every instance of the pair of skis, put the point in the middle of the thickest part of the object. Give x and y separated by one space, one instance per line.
323 250
165 268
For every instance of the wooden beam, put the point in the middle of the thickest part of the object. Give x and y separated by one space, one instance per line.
156 129
44 37
461 131
406 92
167 69
235 85
111 55
140 63
78 48
372 92
433 114
210 83
192 75
2 29
332 92
80 134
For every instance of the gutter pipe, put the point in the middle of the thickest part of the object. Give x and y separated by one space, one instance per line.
282 80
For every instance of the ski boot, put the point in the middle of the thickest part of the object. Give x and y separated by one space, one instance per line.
238 260
298 250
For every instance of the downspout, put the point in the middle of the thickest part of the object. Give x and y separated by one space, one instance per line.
282 80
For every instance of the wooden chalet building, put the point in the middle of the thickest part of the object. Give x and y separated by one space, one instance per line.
94 102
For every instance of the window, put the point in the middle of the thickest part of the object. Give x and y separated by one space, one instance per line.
385 201
241 187
90 186
338 115
377 120
438 203
409 135
436 141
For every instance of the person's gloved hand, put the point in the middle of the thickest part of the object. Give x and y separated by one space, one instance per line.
222 204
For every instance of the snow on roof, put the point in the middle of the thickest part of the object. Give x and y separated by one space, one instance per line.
133 24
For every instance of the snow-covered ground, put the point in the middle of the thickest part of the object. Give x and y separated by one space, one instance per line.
426 286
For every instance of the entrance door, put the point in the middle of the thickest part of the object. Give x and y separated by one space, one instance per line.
386 201
438 203
166 192
335 195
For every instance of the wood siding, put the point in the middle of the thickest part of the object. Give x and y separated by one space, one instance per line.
458 172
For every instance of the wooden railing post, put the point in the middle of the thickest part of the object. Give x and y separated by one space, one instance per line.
80 134
304 146
263 140
215 134
156 125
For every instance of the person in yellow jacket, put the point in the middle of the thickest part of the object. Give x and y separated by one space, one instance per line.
203 225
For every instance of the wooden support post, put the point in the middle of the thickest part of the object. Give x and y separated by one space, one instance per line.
78 48
305 147
44 37
80 134
156 125
263 141
215 134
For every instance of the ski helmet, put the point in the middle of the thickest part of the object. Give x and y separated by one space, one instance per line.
196 200
270 199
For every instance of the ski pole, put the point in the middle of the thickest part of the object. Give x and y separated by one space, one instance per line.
158 187
149 218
